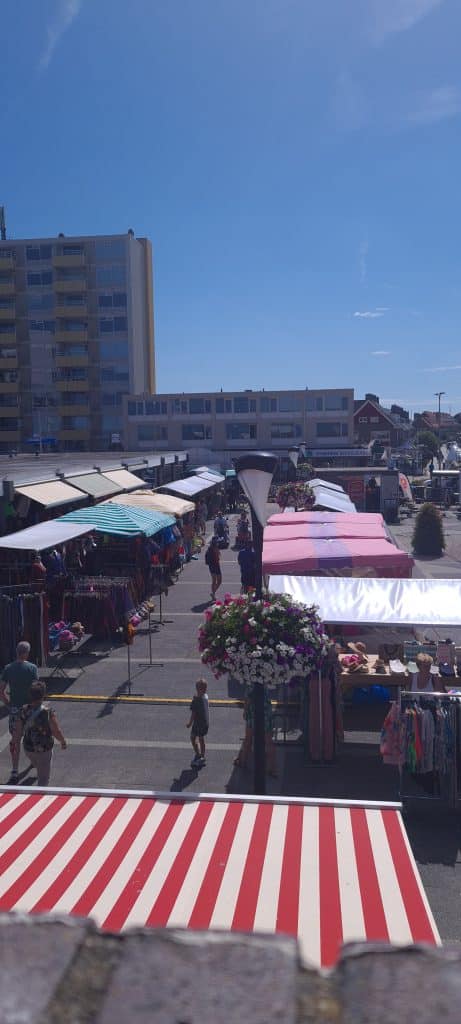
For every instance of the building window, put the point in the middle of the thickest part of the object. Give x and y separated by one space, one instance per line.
70 373
290 403
114 350
75 398
72 300
132 408
113 398
330 429
268 404
336 403
110 421
152 432
7 304
223 405
8 424
38 252
75 422
241 431
44 326
37 278
40 300
199 406
107 276
244 404
111 325
113 373
156 408
363 419
285 431
7 328
110 251
9 400
195 432
374 419
117 299
179 407
314 403
72 250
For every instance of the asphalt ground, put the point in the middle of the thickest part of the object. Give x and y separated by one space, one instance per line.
139 746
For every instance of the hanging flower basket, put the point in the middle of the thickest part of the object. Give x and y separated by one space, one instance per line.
267 641
297 493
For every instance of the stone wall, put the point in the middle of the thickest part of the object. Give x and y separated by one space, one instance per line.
63 971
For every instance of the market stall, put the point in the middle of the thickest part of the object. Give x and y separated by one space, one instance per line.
334 501
338 557
153 500
325 872
190 487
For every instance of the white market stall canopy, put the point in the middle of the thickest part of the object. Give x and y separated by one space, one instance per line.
153 500
190 486
334 501
95 484
403 602
124 479
317 482
210 474
44 536
322 871
51 493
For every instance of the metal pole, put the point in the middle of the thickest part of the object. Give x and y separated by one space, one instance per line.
160 604
128 648
150 640
259 738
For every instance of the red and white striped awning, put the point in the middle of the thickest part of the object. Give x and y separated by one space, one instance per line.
326 872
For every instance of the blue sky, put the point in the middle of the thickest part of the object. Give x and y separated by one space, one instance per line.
296 165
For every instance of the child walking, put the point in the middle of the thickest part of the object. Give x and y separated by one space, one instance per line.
199 723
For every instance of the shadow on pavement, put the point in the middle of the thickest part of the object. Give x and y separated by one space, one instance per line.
186 778
201 607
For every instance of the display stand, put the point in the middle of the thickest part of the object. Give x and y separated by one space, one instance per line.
452 704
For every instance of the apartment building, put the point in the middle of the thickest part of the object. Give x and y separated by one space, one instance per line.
224 423
76 335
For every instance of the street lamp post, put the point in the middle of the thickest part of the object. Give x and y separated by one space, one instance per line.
254 473
438 394
293 455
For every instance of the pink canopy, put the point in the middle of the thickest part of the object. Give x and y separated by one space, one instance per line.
309 556
343 527
293 518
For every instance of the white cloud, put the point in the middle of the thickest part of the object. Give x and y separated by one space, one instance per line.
437 105
392 16
369 314
380 352
440 369
66 13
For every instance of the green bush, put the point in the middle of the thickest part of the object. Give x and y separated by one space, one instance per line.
428 537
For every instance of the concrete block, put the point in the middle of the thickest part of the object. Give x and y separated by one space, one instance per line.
202 978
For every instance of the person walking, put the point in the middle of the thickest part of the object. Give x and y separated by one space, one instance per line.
14 692
39 727
199 723
247 563
212 559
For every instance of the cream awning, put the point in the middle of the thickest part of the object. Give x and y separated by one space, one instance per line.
123 478
152 500
51 493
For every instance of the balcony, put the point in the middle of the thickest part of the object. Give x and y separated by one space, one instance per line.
72 337
9 435
72 410
72 312
11 411
8 312
72 385
9 387
7 287
8 362
78 260
6 261
68 361
70 287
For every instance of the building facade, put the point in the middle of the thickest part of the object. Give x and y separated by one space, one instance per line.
373 422
223 423
76 334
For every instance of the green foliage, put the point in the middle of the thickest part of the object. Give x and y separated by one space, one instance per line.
429 443
428 537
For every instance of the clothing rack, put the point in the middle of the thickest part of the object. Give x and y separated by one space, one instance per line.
443 745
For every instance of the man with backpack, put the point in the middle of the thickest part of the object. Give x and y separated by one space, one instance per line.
39 727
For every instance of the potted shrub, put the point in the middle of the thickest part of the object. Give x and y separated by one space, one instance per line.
428 536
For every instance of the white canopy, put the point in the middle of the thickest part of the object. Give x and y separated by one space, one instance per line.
332 500
44 535
317 482
153 500
211 475
190 486
401 602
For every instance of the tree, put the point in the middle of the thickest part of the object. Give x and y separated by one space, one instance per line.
429 444
428 537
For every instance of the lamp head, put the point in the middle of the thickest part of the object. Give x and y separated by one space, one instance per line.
254 472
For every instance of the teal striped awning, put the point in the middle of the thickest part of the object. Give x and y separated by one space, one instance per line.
120 520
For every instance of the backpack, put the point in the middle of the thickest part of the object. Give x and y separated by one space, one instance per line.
208 556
